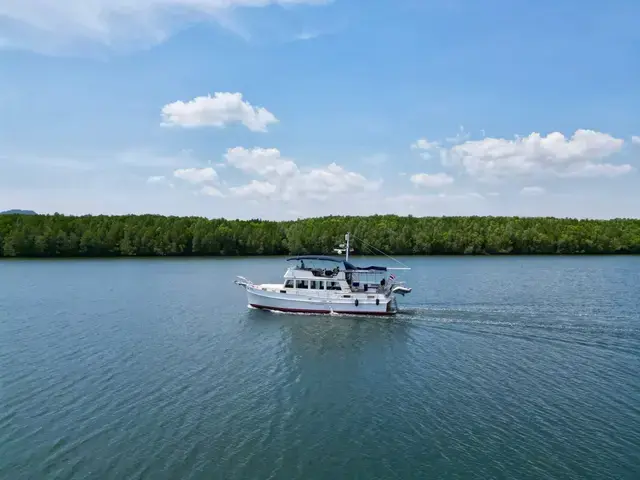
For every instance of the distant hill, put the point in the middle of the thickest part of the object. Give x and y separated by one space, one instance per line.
18 212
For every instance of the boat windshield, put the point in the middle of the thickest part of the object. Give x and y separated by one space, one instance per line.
318 267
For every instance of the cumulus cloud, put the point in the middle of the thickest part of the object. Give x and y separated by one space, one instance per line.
211 191
319 183
286 181
160 180
425 147
56 25
218 111
431 180
261 161
254 189
196 175
579 155
635 140
589 169
203 178
532 191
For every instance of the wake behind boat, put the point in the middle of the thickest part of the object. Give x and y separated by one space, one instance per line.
324 284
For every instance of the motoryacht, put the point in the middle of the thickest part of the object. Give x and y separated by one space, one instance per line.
326 284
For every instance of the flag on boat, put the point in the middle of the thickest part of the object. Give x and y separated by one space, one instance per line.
392 277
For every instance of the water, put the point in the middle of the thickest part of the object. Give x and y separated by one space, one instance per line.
498 368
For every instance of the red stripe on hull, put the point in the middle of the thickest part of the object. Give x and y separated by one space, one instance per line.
300 310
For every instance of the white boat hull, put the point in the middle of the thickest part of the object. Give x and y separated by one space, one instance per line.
361 304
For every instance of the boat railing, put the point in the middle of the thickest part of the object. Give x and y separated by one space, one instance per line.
243 282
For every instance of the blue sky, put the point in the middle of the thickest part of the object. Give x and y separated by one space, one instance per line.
280 109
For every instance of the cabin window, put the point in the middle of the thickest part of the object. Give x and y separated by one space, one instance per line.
302 284
317 285
288 284
333 286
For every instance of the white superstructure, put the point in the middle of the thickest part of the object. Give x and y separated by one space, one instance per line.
339 287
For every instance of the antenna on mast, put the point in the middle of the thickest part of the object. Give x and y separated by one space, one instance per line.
344 247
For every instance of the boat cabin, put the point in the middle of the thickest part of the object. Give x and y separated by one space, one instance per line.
343 276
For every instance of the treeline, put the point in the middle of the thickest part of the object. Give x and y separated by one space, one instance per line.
151 235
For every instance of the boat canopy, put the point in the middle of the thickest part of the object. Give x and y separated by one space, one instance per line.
326 258
373 267
348 266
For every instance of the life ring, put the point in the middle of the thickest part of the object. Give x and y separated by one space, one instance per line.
357 302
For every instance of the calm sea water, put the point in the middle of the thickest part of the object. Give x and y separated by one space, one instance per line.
520 368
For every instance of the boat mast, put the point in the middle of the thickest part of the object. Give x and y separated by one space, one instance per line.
346 237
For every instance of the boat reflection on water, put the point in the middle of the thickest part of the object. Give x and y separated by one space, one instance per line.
313 336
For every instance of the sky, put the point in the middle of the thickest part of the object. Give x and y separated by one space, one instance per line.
281 109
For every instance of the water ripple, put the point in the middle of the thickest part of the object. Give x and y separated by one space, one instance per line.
156 371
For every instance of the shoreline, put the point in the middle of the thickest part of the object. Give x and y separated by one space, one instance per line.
283 257
154 236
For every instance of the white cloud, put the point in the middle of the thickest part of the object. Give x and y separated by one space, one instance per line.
635 140
460 137
532 191
196 175
217 111
211 191
424 144
156 179
319 183
287 181
434 180
535 154
254 189
597 170
261 161
307 35
56 25
426 147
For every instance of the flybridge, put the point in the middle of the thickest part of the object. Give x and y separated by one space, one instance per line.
348 266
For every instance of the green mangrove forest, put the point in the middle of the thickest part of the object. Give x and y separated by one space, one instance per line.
155 235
